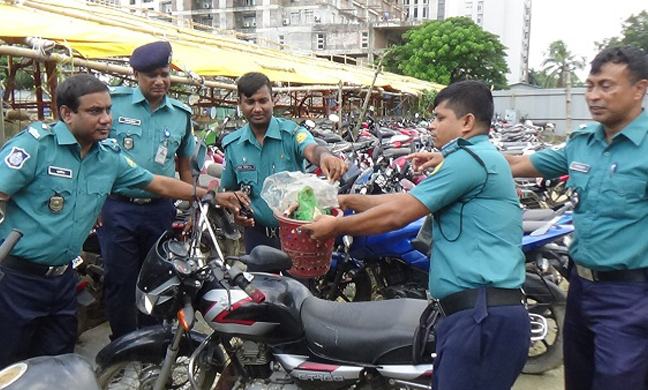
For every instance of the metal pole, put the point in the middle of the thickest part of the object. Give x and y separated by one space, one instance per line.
339 113
568 103
365 105
3 136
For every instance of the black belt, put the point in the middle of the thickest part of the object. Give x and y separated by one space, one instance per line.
122 198
22 265
467 299
621 275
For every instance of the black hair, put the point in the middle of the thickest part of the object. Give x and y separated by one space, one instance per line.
70 90
633 57
251 82
468 97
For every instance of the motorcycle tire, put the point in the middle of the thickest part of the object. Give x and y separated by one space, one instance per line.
547 300
141 375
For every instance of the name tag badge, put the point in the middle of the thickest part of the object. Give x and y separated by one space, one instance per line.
161 155
579 167
129 121
245 167
59 172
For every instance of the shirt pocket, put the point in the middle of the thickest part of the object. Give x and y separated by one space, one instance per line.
124 131
56 196
623 194
248 178
96 193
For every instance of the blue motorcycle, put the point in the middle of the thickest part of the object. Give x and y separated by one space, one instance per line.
393 266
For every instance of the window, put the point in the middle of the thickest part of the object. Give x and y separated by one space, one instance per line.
321 41
282 41
294 18
425 13
364 42
166 8
308 17
207 4
249 21
132 2
250 3
415 13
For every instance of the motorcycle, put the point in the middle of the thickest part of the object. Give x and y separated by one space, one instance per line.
269 331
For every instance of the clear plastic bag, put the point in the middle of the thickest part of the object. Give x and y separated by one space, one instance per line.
280 191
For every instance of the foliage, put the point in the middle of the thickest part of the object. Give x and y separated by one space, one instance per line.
634 32
425 103
450 50
23 80
560 64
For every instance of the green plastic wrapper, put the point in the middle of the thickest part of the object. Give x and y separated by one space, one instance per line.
308 207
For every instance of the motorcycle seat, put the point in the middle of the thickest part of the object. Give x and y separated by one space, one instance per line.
538 215
376 332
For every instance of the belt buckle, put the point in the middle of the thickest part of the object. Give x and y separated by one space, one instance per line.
56 270
585 273
271 232
141 200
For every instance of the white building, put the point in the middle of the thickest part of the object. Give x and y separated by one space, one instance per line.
509 19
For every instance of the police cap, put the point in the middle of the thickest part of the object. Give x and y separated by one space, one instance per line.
151 56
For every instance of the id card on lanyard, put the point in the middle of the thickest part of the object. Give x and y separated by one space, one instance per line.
161 155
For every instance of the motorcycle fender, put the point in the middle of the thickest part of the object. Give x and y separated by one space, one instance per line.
146 345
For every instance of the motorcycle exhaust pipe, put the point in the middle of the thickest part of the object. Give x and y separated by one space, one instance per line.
409 385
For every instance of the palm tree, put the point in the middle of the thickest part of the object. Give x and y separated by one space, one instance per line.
560 65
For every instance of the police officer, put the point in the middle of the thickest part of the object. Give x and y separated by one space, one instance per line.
151 128
264 146
54 181
606 323
477 266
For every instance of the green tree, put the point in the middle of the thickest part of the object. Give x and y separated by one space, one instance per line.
634 32
21 77
560 64
450 50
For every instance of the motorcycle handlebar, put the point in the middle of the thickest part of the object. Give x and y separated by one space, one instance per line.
239 279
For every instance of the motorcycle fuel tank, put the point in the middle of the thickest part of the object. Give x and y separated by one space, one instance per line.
277 319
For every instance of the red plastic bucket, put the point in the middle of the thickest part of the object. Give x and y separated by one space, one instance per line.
310 258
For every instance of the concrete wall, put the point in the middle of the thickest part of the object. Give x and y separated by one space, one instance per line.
544 105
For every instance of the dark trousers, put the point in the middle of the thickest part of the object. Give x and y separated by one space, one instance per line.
128 232
257 236
606 335
37 315
481 348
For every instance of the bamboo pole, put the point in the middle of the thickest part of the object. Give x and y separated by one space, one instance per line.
365 105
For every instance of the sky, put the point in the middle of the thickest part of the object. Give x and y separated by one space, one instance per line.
579 23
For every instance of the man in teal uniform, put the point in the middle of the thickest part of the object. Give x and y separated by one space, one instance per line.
53 183
264 146
151 128
477 266
606 323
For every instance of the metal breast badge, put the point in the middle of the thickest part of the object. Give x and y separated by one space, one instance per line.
128 143
56 203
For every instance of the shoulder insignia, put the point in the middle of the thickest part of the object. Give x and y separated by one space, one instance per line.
301 136
119 90
437 168
16 158
450 147
38 130
111 144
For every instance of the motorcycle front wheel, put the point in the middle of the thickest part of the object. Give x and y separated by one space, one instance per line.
139 375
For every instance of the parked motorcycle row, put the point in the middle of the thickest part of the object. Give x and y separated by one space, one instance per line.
367 323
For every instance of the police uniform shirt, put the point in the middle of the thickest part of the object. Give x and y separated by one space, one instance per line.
247 163
485 248
140 132
55 195
611 217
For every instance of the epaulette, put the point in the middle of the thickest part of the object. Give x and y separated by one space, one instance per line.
111 143
288 125
119 90
451 147
37 130
181 105
585 130
229 138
